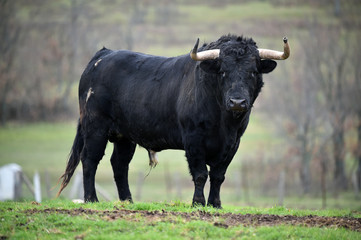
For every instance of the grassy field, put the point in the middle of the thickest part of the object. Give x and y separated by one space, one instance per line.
44 147
177 220
161 210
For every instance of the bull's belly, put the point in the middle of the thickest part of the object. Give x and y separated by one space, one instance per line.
155 139
158 140
159 144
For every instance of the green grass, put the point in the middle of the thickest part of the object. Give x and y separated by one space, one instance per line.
17 224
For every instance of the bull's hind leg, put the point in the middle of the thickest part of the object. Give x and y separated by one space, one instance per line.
121 157
92 153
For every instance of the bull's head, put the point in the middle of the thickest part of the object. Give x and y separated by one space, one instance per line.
238 65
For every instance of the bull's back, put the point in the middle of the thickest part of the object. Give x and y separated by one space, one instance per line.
143 91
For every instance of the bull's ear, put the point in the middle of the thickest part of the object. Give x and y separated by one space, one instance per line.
268 66
210 66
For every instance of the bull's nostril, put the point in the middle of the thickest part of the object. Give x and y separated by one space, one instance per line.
238 104
243 103
232 102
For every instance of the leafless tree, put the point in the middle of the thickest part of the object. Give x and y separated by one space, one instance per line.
298 113
351 21
326 58
322 90
10 36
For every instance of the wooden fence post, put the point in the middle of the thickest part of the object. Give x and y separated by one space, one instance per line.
47 184
77 190
244 181
18 185
323 180
27 183
168 181
140 182
281 188
237 185
356 187
178 185
102 192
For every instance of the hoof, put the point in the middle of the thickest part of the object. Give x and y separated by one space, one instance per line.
198 202
215 204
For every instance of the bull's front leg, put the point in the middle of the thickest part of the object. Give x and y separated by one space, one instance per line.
217 176
199 172
199 180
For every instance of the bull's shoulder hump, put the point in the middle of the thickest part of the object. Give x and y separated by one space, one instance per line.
101 53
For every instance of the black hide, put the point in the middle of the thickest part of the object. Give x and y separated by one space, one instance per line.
131 98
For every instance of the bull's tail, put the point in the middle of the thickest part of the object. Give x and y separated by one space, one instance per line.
74 159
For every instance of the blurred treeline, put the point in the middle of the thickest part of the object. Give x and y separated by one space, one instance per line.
313 99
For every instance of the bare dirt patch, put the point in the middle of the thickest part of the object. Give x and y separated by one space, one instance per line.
224 220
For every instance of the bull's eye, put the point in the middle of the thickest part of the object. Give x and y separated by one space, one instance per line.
223 74
254 74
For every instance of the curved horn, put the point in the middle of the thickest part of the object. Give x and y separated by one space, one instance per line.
205 55
276 55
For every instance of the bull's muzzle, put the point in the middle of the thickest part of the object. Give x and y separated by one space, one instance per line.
239 105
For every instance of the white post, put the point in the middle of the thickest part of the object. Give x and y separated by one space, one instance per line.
9 182
37 187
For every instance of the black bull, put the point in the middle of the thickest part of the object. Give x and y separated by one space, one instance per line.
202 107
